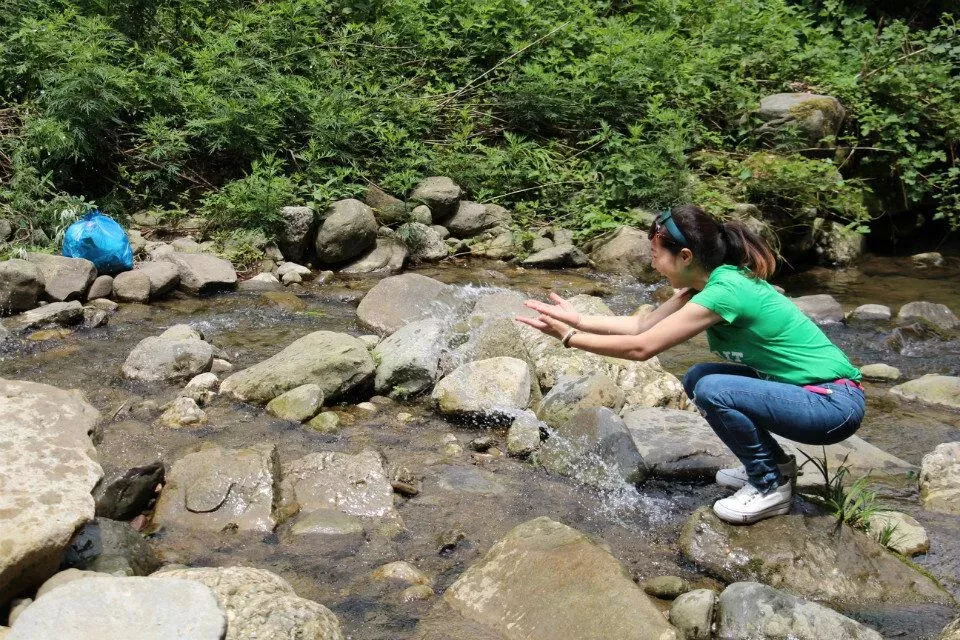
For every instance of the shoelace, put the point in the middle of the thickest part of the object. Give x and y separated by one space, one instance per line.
747 493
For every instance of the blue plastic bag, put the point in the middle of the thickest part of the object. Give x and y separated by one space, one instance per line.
99 239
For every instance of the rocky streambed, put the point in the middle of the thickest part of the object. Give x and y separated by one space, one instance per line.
364 459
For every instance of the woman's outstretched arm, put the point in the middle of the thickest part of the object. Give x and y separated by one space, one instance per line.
563 311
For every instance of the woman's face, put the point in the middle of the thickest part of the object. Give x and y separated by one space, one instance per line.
671 266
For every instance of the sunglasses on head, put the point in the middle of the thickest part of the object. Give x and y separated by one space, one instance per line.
664 222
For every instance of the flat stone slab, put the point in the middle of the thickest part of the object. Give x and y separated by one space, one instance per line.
64 278
142 608
55 313
352 484
931 389
470 480
861 457
202 273
48 468
677 444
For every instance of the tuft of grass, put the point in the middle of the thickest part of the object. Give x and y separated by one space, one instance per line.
852 504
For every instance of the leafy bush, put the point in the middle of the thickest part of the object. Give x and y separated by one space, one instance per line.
252 202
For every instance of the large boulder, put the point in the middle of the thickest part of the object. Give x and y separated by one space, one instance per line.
260 604
424 242
338 363
822 308
842 566
48 467
352 484
399 300
64 278
111 547
938 315
835 244
202 273
572 394
543 581
556 257
490 390
132 286
390 210
753 610
164 277
473 218
931 389
387 256
348 230
20 285
407 361
440 194
816 116
624 252
940 479
179 353
62 314
214 488
111 607
296 232
677 444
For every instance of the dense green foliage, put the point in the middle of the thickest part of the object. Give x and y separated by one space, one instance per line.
572 111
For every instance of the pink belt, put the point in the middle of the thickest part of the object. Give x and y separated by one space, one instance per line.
825 392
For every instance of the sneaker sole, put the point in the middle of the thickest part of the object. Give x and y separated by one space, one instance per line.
749 518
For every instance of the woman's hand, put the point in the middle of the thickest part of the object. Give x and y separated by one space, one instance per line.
546 324
562 310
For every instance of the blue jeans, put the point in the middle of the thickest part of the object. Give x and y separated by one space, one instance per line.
744 410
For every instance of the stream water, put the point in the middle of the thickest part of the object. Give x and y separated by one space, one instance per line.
479 496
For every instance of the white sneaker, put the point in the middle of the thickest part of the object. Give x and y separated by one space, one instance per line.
749 505
736 478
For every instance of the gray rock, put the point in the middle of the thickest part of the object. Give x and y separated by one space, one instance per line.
325 422
440 194
562 236
402 573
930 259
399 300
66 576
102 287
424 243
692 614
594 446
215 488
490 391
261 604
539 244
137 242
821 308
441 230
472 219
104 305
176 354
107 546
63 314
261 282
352 484
387 256
835 245
858 455
132 286
186 245
677 444
524 586
470 479
937 315
940 479
407 360
818 116
523 437
388 209
557 257
907 537
951 631
624 251
124 494
164 277
931 389
48 466
499 247
202 273
572 394
752 610
338 363
665 587
64 278
870 313
20 285
6 230
292 278
348 230
296 232
292 267
327 522
297 405
879 372
183 412
421 214
145 608
844 567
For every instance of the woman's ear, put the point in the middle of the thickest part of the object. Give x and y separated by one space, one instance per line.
686 255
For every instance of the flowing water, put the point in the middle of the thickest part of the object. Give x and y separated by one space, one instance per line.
477 496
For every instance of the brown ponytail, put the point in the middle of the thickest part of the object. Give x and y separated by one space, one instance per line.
746 249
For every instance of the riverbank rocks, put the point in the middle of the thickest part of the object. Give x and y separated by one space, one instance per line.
426 243
908 537
938 316
336 362
817 116
348 229
260 604
102 287
879 372
752 610
472 219
399 300
352 484
389 210
439 193
843 567
821 308
48 467
489 391
556 258
407 361
692 613
869 313
297 405
179 353
940 479
64 278
677 444
164 277
202 273
296 232
931 389
145 608
624 252
132 286
387 256
214 488
525 585
20 285
59 314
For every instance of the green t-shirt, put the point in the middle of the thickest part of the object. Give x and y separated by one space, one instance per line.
764 330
